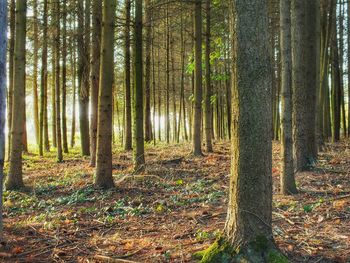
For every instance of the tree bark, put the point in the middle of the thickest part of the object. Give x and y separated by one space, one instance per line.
64 78
35 71
288 185
197 115
127 128
139 157
15 177
95 67
104 177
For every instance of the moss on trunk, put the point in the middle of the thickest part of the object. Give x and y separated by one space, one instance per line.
259 250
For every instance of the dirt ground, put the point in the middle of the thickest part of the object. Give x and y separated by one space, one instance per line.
178 208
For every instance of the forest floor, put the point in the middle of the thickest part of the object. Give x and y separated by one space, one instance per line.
177 209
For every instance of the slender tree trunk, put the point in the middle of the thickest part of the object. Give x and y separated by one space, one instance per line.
104 177
167 78
95 67
173 85
348 38
288 185
3 47
147 108
56 12
15 177
208 92
11 71
197 115
127 128
35 72
73 65
83 73
43 82
139 157
64 78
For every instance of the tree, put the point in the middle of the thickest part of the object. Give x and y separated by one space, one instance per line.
35 71
56 12
15 177
197 115
248 232
139 157
3 46
43 83
104 177
147 108
128 132
95 68
208 92
304 82
287 177
83 73
64 78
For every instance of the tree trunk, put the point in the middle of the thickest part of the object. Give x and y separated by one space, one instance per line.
43 82
73 69
197 115
11 69
83 73
95 67
15 178
248 232
139 157
56 12
104 177
288 185
3 46
208 92
147 108
35 71
64 78
127 128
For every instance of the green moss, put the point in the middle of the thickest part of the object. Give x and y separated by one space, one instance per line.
220 251
276 257
260 250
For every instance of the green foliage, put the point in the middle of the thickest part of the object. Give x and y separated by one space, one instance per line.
276 257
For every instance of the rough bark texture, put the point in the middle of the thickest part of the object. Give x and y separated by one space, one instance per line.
288 185
139 157
43 82
83 74
147 108
64 78
10 76
304 89
197 115
128 132
104 177
208 92
56 12
35 71
248 233
95 67
3 46
15 178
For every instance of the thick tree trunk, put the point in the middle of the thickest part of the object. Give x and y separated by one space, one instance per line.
288 185
15 178
248 232
95 67
139 157
197 114
127 128
104 177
